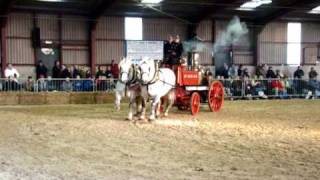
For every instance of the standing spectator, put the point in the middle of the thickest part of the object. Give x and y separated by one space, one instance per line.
114 69
240 70
232 71
75 72
67 85
176 51
299 73
109 72
270 74
99 72
261 70
11 72
313 74
279 74
65 73
245 73
56 70
41 70
225 72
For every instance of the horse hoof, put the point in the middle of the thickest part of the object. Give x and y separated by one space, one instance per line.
166 114
142 118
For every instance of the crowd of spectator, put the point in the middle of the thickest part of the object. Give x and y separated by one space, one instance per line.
61 78
267 83
264 83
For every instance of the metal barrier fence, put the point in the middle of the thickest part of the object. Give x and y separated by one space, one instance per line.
234 88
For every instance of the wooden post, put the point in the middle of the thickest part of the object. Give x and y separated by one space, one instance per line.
93 55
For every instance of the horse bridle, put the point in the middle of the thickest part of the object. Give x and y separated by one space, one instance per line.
153 80
133 78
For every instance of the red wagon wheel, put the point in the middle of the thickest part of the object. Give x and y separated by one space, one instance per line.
215 96
195 103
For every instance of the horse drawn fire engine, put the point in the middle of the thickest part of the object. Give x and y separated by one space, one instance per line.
194 88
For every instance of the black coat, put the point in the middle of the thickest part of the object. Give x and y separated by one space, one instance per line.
56 72
41 71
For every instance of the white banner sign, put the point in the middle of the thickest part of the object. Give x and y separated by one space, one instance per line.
140 49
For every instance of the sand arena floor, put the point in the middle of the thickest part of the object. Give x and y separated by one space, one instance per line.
246 140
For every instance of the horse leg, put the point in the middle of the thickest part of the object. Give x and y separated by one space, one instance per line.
171 99
131 106
158 110
143 110
155 103
118 101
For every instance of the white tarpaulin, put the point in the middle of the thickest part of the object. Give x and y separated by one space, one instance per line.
140 49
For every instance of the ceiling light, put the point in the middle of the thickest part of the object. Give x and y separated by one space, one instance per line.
52 0
151 1
251 5
315 10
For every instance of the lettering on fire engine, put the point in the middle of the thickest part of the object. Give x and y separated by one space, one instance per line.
190 76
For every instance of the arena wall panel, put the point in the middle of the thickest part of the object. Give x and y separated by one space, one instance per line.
108 50
310 33
19 51
243 58
273 53
206 55
49 26
274 32
159 29
74 28
19 25
204 30
111 28
75 55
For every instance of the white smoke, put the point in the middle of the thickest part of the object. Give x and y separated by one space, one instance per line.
232 34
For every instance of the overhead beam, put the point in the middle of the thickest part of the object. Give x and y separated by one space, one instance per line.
219 6
282 10
100 8
5 8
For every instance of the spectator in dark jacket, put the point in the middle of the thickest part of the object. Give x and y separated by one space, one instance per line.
65 73
299 73
99 72
313 74
56 70
270 73
41 70
225 72
75 72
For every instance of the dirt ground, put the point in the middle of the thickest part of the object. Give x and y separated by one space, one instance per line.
246 140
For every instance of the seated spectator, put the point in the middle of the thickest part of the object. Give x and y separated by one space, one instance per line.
236 87
108 72
52 85
313 74
12 84
11 72
67 85
41 70
299 73
259 87
29 84
56 70
232 72
114 69
270 74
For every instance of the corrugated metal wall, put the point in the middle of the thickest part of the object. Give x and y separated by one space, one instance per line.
273 44
204 30
110 40
159 29
49 26
311 39
75 31
75 55
19 49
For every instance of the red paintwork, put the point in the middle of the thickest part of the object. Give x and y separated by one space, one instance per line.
187 78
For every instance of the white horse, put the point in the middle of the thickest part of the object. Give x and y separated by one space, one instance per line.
127 87
156 83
